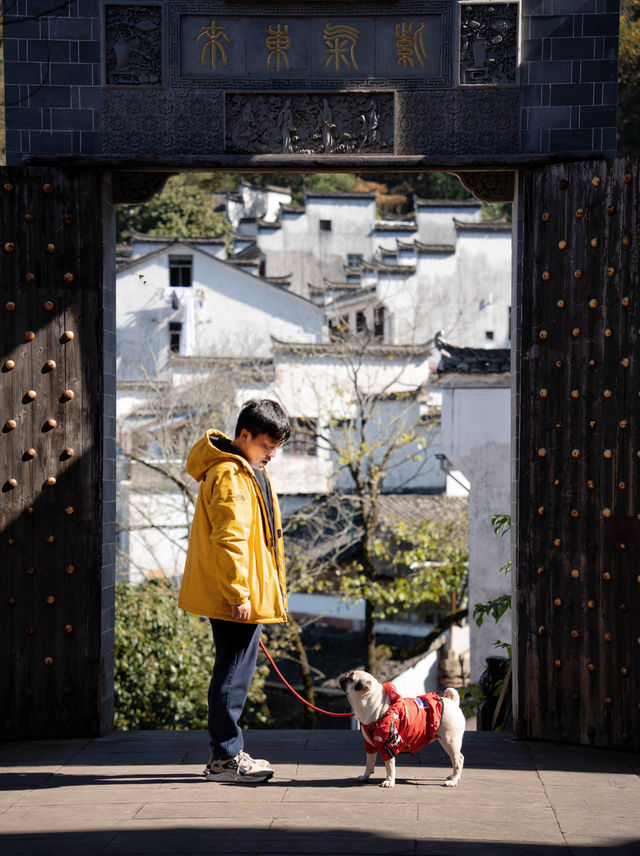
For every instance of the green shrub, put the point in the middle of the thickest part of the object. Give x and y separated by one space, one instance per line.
163 659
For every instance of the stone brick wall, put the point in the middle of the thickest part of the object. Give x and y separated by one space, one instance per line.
569 72
52 77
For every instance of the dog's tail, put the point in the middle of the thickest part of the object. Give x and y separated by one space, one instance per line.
452 694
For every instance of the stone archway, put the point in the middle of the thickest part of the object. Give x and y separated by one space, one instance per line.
124 98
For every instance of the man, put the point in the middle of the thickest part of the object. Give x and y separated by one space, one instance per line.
234 571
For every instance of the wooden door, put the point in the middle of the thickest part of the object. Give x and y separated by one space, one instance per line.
578 576
50 452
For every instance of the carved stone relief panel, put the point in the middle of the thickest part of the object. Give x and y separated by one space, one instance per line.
165 122
320 123
462 122
489 44
133 45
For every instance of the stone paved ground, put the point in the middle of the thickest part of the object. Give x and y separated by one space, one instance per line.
137 793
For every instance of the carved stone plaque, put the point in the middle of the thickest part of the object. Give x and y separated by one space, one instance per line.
133 45
283 46
313 123
298 78
324 46
488 44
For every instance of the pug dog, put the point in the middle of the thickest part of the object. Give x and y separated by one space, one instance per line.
391 724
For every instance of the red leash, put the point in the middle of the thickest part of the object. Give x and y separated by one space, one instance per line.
297 695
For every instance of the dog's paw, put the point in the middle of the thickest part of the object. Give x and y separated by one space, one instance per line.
450 783
361 780
387 784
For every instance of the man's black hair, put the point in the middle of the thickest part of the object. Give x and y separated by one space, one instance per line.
264 416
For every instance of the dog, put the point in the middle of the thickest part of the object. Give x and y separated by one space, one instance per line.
392 724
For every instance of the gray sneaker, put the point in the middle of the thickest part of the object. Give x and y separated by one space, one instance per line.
255 762
242 769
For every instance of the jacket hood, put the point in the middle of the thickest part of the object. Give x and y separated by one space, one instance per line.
211 449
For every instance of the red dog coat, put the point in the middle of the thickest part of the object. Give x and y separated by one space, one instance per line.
408 725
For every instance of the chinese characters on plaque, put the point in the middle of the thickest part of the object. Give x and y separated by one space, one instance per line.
222 47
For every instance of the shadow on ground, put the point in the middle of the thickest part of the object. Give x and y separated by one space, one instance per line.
187 841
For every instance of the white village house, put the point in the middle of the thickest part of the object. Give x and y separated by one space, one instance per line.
397 277
186 308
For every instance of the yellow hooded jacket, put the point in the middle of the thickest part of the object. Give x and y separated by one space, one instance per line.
231 555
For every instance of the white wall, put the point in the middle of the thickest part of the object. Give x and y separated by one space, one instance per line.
154 528
484 287
263 202
434 218
476 440
143 313
310 254
234 314
424 303
323 387
241 313
465 293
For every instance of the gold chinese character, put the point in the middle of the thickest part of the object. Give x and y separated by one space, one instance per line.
278 41
214 33
410 45
341 43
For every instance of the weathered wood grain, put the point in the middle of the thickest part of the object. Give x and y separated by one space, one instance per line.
579 495
50 630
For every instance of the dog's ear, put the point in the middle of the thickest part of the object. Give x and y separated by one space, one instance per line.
343 680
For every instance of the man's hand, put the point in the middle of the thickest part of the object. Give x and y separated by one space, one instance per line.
241 611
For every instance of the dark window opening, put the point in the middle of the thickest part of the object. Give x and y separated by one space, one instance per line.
175 331
180 271
361 322
354 260
325 225
378 323
488 334
303 438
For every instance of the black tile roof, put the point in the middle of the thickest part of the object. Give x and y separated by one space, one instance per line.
455 358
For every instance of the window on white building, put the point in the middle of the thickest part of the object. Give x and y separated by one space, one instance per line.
361 322
325 225
180 271
175 332
338 327
303 437
354 260
378 323
488 334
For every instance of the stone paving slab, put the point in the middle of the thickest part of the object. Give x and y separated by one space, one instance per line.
138 793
